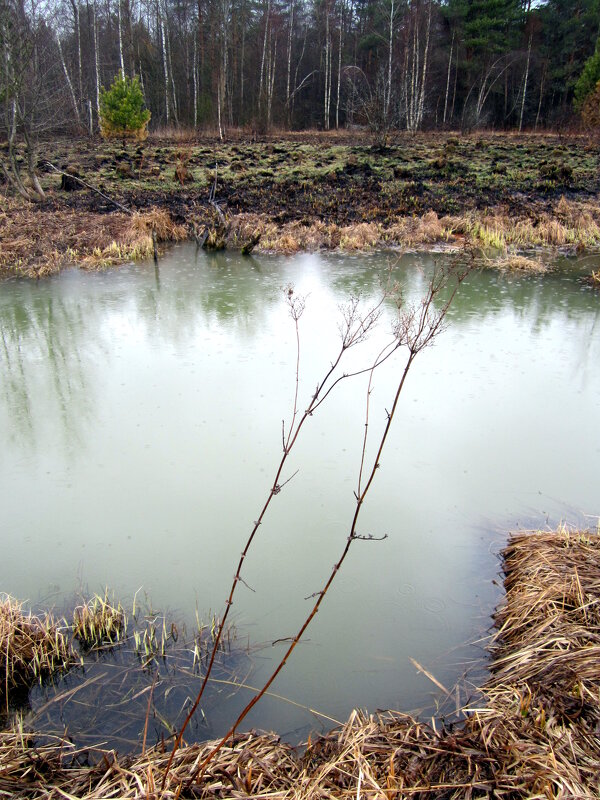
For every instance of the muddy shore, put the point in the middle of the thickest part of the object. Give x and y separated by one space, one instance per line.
307 191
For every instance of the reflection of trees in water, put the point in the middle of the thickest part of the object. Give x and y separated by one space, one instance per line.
196 289
44 375
53 341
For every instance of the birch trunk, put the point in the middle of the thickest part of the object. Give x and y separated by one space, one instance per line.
263 61
289 57
448 78
120 26
388 93
525 84
165 63
195 79
68 79
339 73
327 70
421 107
77 25
96 59
173 90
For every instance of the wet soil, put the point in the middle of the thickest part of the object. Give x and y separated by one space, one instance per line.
339 178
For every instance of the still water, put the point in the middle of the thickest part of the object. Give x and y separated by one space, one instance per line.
141 422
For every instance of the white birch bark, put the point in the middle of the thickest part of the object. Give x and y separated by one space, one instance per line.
289 54
120 26
421 107
263 60
195 79
96 59
339 73
525 84
388 92
448 77
165 63
327 69
68 79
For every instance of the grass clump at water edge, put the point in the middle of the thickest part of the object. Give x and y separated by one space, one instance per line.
32 648
99 622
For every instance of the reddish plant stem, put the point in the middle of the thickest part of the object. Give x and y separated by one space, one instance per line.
353 332
415 331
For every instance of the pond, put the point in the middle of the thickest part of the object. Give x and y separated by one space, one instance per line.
141 420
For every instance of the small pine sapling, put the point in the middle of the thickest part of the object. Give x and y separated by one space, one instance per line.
122 110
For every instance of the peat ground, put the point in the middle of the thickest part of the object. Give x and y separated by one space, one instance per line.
308 191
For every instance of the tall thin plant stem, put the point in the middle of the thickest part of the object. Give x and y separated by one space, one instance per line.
354 330
415 329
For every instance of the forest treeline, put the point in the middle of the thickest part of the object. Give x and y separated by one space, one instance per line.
406 64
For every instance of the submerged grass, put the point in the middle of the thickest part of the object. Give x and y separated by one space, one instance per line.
533 734
32 648
99 622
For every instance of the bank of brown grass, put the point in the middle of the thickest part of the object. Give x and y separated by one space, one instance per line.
534 734
31 648
314 235
567 224
37 243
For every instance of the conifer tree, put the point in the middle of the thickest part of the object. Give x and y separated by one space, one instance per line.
122 110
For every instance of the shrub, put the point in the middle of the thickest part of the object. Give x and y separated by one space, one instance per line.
122 111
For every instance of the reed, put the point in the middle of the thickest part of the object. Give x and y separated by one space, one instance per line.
594 279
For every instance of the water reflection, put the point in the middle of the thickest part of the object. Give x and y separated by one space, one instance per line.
143 410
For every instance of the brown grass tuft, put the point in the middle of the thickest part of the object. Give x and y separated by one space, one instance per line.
159 220
31 648
516 263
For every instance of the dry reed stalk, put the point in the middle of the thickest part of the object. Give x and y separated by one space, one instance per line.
594 279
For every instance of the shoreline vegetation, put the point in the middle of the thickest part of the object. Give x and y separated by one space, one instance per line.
532 731
501 195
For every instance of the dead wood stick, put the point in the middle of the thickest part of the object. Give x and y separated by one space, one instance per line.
89 186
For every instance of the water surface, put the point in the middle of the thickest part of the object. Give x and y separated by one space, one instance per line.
141 421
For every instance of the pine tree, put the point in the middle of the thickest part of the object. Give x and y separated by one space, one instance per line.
588 78
122 111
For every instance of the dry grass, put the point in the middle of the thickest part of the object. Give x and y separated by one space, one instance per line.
294 237
567 224
31 648
594 279
534 735
160 221
517 263
37 243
